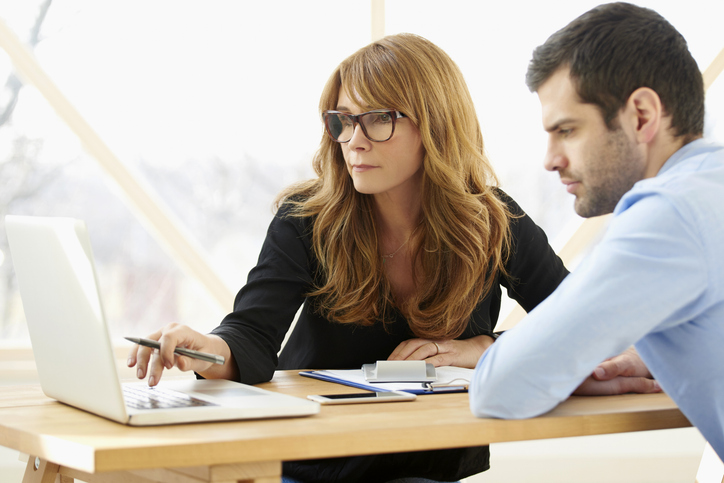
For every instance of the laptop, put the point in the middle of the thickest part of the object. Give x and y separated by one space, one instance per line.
72 345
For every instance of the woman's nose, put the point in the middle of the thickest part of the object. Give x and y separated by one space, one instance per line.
358 139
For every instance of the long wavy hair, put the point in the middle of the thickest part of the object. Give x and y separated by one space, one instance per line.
464 237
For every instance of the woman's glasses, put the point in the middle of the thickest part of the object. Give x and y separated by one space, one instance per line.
377 126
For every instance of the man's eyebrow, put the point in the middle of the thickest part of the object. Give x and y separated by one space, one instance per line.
558 124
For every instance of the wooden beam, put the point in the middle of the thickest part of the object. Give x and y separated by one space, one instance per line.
378 19
144 203
712 72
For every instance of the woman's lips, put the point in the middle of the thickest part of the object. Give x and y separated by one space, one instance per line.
361 168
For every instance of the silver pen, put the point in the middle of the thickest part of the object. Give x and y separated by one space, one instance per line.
202 356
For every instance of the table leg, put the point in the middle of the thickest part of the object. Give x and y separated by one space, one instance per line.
41 471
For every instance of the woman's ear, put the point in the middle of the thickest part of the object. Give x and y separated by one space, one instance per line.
645 109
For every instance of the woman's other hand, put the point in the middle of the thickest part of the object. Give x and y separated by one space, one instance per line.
460 353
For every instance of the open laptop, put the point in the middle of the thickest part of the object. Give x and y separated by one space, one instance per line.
72 347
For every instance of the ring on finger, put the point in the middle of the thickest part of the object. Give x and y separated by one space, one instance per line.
438 348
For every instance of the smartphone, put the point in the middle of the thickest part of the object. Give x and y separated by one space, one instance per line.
363 397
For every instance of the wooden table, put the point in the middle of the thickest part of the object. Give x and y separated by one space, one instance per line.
66 443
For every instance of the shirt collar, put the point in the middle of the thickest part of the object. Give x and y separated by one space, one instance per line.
683 152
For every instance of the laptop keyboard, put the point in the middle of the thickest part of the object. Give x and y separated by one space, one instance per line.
144 397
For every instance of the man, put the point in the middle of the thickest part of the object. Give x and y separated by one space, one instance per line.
623 102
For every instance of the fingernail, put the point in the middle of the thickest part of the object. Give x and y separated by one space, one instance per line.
129 362
139 373
152 381
599 372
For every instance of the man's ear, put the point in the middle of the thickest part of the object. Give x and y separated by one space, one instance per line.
645 109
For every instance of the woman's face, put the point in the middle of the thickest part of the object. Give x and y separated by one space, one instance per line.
392 167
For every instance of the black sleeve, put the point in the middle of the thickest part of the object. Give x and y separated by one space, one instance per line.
265 307
534 270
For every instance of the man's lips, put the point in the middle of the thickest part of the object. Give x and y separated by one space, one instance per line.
571 185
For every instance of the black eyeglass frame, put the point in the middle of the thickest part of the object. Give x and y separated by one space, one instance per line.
356 120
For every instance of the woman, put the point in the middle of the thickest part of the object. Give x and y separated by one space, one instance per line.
398 249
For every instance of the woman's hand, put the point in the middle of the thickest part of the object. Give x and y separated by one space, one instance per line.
152 362
460 353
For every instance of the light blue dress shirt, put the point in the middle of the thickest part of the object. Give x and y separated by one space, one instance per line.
655 280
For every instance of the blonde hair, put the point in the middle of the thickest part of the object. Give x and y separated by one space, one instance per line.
464 237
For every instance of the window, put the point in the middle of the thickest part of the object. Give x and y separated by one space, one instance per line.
189 96
192 98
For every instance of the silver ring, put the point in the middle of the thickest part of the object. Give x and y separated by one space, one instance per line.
438 347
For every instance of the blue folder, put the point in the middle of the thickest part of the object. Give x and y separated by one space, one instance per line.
354 378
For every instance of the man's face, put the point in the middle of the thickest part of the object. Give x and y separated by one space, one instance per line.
597 165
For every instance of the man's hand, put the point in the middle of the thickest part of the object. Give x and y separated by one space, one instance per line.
619 375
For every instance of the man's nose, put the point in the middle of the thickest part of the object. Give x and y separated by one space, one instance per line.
555 159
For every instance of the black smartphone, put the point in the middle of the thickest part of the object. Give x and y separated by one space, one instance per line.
363 397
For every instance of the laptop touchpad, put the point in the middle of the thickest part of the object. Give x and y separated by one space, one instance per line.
228 392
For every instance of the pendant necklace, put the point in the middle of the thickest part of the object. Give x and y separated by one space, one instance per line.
400 247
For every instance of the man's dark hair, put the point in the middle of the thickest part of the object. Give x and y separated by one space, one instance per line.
616 48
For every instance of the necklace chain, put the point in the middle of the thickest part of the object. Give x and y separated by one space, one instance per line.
405 243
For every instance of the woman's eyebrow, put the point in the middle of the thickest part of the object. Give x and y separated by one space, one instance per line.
348 110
